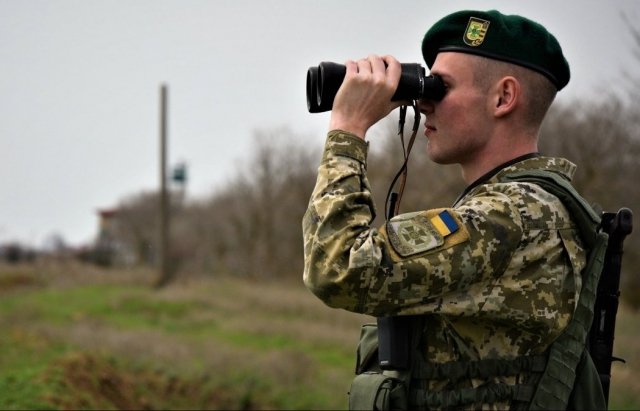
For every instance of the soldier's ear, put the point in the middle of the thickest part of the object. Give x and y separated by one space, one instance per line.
506 96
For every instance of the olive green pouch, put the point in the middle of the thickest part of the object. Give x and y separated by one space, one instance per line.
375 391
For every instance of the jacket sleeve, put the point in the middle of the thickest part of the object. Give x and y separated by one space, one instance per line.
341 250
409 266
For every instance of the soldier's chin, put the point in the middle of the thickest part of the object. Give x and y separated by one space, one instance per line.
439 158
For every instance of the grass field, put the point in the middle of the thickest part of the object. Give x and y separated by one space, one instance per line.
75 337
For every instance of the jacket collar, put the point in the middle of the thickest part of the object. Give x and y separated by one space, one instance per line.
532 161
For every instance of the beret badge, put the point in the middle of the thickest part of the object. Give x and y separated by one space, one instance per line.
475 32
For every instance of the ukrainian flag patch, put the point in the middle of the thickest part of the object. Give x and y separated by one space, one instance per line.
419 232
444 223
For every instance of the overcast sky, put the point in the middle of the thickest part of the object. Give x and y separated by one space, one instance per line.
79 86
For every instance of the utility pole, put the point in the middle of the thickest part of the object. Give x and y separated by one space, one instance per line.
165 273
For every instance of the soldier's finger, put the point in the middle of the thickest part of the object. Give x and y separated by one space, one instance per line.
364 66
377 64
394 70
352 67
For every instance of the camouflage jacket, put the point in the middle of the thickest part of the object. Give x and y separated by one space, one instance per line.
496 275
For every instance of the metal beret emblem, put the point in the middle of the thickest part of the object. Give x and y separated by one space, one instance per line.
475 32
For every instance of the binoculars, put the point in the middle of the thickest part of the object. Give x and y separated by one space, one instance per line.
324 81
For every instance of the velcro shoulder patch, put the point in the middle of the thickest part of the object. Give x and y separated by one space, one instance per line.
415 233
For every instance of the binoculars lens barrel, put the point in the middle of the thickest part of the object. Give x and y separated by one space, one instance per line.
324 81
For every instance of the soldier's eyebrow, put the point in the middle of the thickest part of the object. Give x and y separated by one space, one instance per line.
445 77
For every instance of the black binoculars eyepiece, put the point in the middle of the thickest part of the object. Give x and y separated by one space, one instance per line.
324 81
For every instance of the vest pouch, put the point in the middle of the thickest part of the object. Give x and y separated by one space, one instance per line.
367 352
375 391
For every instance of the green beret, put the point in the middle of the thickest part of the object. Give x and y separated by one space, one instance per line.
491 34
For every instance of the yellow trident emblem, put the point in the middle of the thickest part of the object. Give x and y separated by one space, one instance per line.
476 30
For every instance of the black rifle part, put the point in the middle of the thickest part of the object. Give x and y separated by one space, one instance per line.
618 225
394 342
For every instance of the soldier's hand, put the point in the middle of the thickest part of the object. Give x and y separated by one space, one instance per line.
364 97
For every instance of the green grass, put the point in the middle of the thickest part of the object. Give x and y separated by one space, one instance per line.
208 345
24 359
113 342
19 391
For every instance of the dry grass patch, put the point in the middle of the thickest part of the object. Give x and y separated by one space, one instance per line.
237 343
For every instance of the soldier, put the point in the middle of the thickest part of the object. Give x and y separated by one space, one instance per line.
497 276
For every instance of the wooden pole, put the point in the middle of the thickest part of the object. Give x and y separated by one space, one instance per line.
164 197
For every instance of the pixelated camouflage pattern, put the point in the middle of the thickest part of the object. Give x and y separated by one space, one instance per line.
504 285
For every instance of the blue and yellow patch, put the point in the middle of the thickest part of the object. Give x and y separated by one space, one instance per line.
416 233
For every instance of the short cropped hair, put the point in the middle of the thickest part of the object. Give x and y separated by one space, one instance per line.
537 90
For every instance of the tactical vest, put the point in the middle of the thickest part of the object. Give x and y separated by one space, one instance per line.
563 377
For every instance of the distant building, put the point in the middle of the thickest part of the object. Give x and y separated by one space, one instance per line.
110 246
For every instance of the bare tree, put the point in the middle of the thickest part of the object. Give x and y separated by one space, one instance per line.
252 225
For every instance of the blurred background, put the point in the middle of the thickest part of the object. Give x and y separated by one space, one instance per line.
87 314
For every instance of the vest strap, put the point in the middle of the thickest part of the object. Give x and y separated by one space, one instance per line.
482 369
489 393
